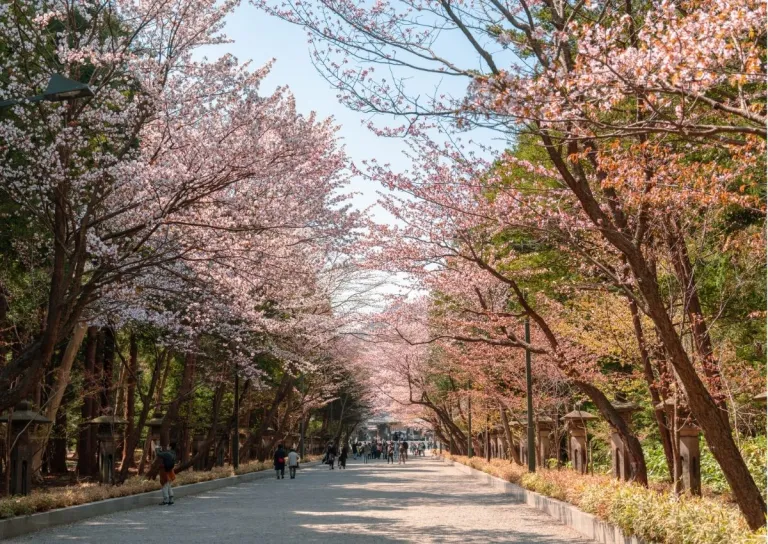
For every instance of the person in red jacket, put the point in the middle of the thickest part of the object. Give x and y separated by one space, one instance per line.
166 461
280 456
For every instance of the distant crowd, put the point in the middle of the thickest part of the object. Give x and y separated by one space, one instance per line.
391 450
334 456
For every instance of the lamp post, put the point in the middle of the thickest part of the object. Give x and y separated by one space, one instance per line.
236 437
301 421
529 394
59 88
470 453
487 438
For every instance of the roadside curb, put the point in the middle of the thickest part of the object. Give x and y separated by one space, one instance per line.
567 514
22 525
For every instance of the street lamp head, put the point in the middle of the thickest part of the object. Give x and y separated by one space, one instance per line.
61 88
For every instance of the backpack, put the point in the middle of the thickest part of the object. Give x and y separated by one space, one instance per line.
169 460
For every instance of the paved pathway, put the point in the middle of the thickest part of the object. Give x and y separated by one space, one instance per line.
423 501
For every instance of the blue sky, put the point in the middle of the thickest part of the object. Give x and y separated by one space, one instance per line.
259 37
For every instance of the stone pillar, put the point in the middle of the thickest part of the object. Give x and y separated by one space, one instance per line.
576 422
688 447
544 427
198 445
622 468
108 428
154 424
578 449
690 458
107 459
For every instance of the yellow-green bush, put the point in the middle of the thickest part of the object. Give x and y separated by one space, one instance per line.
42 501
646 513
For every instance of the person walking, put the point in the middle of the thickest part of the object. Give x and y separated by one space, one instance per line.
354 450
403 453
165 461
280 462
330 455
343 457
366 452
293 463
390 453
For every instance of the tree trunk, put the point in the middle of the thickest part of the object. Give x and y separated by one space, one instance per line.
262 450
211 438
513 454
86 443
58 445
60 383
713 421
130 400
5 325
107 370
656 399
19 376
160 392
185 391
133 439
630 441
703 343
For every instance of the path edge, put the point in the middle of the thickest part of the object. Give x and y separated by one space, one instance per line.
22 525
567 514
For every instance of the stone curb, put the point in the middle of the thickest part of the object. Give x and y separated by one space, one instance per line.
22 525
567 514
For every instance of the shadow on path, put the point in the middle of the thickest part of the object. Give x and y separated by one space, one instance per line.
422 501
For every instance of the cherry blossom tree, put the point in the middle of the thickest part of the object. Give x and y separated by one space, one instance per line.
640 110
176 172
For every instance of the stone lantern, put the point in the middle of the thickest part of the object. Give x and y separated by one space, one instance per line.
687 447
622 468
690 457
497 450
154 425
26 424
523 446
222 446
544 426
576 423
198 444
108 428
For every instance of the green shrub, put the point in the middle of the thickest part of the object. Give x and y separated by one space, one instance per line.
753 449
648 514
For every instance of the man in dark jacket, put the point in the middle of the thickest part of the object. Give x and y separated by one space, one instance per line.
280 462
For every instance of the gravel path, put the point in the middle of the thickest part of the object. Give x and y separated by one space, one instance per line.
423 501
